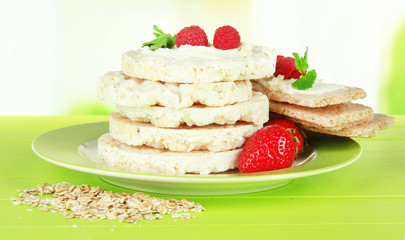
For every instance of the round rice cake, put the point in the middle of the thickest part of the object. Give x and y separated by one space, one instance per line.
117 88
192 64
213 138
255 110
156 161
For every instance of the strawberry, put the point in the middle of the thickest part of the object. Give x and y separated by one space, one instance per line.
286 67
226 37
290 127
269 148
193 35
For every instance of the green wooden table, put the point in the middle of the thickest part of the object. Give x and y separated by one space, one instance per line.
365 200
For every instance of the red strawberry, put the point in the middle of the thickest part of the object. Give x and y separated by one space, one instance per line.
193 35
286 67
269 148
292 129
226 37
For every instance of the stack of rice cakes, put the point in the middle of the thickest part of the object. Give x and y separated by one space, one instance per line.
184 110
325 108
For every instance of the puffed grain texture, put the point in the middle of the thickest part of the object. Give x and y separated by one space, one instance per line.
192 64
255 110
212 138
155 161
117 88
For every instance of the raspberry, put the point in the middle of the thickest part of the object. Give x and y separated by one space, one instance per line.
226 37
294 74
193 35
290 127
269 148
286 67
280 57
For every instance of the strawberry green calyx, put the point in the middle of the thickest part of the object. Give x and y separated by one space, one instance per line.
162 40
307 79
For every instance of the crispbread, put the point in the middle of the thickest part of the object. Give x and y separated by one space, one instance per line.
192 64
255 110
117 88
320 95
332 117
334 128
149 160
183 139
366 130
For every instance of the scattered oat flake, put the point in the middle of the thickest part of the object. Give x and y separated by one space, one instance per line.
44 209
86 202
185 216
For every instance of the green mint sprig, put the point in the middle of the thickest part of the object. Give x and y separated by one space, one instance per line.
307 79
162 40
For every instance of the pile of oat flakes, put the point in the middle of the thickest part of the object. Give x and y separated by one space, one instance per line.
85 202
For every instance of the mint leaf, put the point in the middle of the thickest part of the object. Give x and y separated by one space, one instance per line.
306 81
297 61
311 75
163 40
157 29
301 63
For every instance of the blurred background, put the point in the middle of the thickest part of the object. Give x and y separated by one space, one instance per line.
52 51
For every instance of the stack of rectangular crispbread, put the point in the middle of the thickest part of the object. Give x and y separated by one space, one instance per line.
325 108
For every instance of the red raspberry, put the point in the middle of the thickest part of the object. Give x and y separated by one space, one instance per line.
286 67
193 35
226 37
295 74
270 148
280 57
290 127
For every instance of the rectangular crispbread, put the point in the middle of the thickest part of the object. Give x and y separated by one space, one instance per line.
320 95
331 118
366 130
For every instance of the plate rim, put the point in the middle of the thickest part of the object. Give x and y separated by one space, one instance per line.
249 177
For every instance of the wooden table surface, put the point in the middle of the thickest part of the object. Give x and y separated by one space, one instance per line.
365 200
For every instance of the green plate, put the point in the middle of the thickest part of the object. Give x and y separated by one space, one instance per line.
75 148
